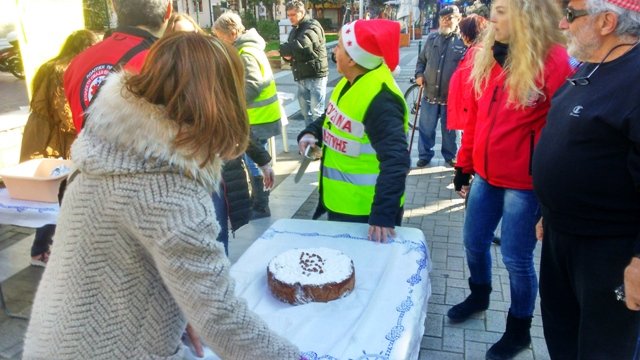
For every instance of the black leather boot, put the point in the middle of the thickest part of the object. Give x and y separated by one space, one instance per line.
515 339
260 198
477 301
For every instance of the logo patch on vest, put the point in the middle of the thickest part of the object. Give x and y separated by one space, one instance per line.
92 83
344 146
343 122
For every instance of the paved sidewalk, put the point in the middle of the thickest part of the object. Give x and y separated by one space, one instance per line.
431 205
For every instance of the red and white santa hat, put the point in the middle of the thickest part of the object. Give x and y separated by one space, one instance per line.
633 5
369 42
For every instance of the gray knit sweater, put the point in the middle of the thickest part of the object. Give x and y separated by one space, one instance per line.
135 255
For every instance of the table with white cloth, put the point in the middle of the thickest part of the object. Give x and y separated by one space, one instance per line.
32 214
383 318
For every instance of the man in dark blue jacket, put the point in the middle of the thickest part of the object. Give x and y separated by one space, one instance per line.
365 159
586 173
439 58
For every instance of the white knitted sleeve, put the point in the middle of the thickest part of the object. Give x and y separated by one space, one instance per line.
195 270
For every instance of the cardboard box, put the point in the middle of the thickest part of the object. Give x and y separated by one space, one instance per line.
32 180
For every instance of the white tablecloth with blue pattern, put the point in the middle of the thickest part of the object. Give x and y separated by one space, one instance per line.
26 213
383 318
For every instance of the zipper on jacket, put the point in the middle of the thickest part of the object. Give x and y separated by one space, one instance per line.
493 122
532 139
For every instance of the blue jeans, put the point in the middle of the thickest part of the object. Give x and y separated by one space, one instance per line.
311 96
429 115
519 211
252 167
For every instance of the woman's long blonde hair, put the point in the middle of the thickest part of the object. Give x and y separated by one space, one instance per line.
533 30
200 81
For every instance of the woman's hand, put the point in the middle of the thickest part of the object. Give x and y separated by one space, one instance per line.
194 340
539 230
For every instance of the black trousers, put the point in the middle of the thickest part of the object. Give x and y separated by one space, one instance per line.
580 314
43 239
334 216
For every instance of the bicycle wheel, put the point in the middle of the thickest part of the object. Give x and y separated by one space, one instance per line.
413 102
16 68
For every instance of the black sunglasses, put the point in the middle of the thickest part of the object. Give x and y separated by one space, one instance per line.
571 14
584 80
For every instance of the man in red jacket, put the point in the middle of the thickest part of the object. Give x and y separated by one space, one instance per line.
140 23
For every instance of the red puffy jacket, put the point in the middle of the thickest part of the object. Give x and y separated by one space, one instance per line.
460 97
88 70
499 140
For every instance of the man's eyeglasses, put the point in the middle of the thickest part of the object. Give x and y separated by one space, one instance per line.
571 14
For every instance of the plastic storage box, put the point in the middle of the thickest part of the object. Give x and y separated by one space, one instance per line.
33 179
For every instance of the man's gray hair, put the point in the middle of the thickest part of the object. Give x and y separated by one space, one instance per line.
229 23
148 13
296 5
628 21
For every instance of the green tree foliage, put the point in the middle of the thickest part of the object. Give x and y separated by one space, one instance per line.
96 14
268 29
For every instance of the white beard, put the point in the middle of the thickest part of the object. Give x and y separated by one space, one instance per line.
583 44
445 30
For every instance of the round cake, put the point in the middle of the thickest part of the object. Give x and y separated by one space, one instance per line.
299 276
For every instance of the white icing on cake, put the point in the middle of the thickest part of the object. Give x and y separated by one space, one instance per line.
318 266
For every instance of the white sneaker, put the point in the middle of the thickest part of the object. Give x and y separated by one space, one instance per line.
40 260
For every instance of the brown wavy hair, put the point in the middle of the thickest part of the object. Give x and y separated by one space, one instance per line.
200 82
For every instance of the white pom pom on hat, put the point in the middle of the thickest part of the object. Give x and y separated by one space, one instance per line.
369 42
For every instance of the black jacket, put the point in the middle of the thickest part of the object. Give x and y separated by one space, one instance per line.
308 50
236 186
384 126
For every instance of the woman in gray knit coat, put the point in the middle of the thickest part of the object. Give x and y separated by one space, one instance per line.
135 255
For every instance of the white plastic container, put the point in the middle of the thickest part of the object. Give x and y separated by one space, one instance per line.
33 179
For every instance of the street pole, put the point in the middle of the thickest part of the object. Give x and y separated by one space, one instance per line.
360 11
197 10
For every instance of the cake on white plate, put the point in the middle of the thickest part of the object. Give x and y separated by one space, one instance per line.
299 276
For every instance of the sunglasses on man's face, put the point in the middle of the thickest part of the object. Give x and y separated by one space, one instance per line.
571 14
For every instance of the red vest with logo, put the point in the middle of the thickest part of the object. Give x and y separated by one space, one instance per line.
87 71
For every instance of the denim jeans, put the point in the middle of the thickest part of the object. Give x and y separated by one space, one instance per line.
311 96
519 211
429 115
252 167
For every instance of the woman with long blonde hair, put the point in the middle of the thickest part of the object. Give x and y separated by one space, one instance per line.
138 256
514 75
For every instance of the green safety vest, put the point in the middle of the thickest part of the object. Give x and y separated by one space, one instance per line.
265 108
350 167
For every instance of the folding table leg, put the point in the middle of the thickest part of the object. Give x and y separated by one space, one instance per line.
7 312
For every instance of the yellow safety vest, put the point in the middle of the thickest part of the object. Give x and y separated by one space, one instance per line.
350 167
265 108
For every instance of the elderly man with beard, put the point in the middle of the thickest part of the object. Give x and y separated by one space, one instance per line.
439 58
586 171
